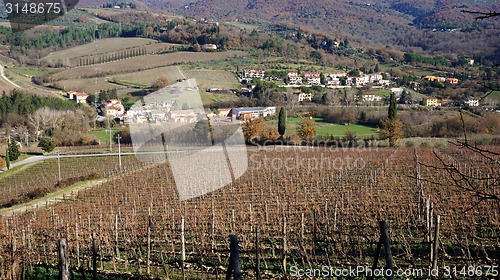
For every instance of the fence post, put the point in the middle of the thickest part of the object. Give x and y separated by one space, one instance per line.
94 257
234 267
63 260
257 253
436 243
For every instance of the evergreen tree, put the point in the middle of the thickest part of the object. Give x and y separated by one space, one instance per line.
14 152
47 145
282 122
391 128
392 107
377 68
7 159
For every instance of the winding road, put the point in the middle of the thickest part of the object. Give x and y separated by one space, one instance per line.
2 73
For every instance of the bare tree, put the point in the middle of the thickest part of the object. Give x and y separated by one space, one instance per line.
482 15
482 185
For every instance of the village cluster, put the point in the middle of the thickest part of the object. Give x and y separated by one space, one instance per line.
166 111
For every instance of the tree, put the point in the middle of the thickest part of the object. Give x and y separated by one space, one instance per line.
282 122
196 47
47 145
392 107
91 99
306 130
482 187
3 163
391 128
253 128
14 152
161 82
7 159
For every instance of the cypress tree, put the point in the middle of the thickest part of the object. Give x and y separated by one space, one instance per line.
282 122
392 107
7 159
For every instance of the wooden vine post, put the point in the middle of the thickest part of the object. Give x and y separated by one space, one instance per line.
384 240
234 267
435 243
63 260
257 253
94 257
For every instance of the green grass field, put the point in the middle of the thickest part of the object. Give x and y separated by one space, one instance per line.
327 129
102 135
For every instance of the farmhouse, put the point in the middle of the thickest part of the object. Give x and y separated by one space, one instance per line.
80 97
113 108
69 94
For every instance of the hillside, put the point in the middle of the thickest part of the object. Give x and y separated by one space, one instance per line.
425 26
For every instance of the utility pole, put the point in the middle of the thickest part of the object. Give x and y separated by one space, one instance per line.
118 137
110 131
59 166
110 141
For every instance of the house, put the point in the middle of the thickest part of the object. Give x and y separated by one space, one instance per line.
374 78
360 81
302 96
209 47
336 75
224 112
113 108
370 97
472 102
452 81
431 102
80 97
311 78
435 79
183 116
251 113
292 73
251 73
70 94
294 78
333 82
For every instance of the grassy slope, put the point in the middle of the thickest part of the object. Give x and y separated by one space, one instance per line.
327 129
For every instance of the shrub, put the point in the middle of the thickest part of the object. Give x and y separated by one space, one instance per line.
47 145
409 144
